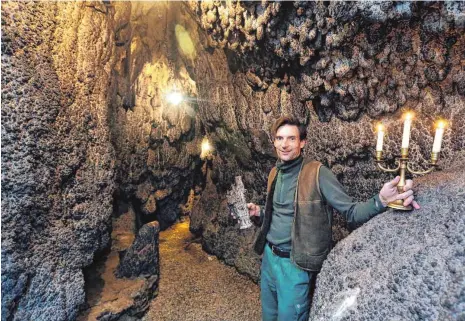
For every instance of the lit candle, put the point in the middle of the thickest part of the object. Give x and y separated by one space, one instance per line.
379 143
438 137
406 134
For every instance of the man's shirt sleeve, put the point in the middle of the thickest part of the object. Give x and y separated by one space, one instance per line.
354 212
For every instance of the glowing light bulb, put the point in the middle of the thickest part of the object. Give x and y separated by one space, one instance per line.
206 149
174 98
206 146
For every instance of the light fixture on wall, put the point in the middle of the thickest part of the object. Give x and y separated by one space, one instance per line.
207 149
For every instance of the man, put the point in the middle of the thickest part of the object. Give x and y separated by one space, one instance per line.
295 235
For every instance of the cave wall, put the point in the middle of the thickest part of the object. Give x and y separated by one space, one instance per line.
84 119
401 266
86 123
157 144
57 159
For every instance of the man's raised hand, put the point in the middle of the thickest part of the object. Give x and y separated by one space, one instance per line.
389 193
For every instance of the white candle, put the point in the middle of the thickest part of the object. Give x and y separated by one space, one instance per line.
438 137
379 142
406 134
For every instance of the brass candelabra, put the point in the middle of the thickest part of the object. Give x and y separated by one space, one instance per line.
402 167
402 162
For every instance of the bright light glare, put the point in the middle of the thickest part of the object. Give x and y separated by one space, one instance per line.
206 146
206 149
408 115
441 124
380 127
174 98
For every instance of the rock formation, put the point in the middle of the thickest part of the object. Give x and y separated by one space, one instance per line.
57 159
401 266
141 258
86 123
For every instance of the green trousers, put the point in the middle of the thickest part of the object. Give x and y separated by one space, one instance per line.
284 289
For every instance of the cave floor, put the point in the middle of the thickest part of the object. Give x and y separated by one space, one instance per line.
196 286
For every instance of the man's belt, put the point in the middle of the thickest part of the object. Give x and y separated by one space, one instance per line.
279 252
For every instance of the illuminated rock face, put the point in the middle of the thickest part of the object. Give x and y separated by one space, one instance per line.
157 143
57 159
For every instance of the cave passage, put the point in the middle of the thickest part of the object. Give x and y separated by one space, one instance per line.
197 286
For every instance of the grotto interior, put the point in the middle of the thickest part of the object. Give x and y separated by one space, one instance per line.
105 109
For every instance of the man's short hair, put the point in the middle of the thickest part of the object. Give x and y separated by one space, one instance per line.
289 120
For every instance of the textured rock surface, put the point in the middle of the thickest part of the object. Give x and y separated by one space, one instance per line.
157 144
141 258
85 119
111 297
57 159
401 266
221 234
238 205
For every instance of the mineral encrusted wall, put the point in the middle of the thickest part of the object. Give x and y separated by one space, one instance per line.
339 66
401 266
84 117
57 159
85 122
157 144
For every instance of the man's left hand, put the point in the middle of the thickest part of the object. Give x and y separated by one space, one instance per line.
389 193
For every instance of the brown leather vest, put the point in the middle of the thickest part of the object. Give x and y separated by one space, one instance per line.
311 230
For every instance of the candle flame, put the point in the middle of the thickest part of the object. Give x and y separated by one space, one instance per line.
441 124
380 127
408 115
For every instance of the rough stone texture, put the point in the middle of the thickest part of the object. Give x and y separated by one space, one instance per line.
401 266
141 258
157 144
120 298
221 234
57 159
84 117
238 205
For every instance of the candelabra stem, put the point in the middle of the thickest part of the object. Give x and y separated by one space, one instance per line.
399 204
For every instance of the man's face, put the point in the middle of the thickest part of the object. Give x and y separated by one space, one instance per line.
287 142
